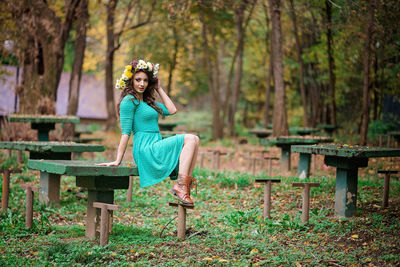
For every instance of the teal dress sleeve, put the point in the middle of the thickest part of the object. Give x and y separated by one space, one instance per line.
163 108
127 110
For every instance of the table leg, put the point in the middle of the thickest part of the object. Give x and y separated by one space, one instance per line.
49 188
93 214
285 158
346 192
304 166
43 130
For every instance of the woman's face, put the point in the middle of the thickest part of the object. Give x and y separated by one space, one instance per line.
140 82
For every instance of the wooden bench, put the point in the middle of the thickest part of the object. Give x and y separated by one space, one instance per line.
181 218
387 173
100 181
306 199
267 194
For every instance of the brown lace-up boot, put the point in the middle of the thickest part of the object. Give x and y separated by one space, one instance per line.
181 189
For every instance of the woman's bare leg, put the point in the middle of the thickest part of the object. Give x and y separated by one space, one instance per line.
193 163
188 153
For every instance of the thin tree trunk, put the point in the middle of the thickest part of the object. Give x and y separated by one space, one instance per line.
332 78
212 77
269 77
111 112
299 50
76 73
280 126
239 68
268 93
80 45
366 93
173 61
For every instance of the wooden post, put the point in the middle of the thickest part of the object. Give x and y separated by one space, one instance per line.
267 194
104 220
29 203
19 156
385 200
306 199
181 218
380 140
389 140
201 159
6 187
129 193
9 153
270 159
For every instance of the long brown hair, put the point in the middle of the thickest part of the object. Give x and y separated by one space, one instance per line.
148 95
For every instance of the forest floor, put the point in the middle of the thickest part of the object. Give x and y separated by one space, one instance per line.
226 228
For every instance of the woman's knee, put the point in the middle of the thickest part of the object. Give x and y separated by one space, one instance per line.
191 138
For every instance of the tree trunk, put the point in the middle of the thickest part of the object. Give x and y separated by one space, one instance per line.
299 50
239 68
212 66
268 92
279 126
366 93
109 84
43 54
174 58
80 45
76 73
332 78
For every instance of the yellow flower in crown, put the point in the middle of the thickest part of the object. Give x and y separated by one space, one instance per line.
128 67
128 74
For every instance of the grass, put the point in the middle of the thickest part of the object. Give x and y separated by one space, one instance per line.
226 228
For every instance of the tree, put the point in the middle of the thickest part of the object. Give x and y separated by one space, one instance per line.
279 125
42 50
366 84
299 50
332 78
82 18
113 44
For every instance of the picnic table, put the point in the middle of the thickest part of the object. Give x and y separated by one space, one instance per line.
347 159
328 128
303 130
261 133
285 143
100 181
50 150
43 123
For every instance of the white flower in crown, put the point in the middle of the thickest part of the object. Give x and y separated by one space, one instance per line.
149 66
156 68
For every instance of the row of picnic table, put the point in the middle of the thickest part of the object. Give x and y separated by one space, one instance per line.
53 159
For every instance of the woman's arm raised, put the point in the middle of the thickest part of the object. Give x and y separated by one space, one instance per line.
120 153
166 100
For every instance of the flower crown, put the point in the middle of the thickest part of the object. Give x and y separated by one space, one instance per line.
132 68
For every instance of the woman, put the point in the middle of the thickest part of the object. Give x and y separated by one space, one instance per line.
155 157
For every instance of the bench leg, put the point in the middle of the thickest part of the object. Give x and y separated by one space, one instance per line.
129 193
93 214
181 222
346 192
29 208
104 225
306 204
267 200
385 201
49 188
304 166
6 190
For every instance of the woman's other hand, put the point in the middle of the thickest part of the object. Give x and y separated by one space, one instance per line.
114 163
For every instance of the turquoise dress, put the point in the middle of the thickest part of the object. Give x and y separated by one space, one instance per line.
155 157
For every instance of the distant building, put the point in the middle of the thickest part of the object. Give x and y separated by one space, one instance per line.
92 99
